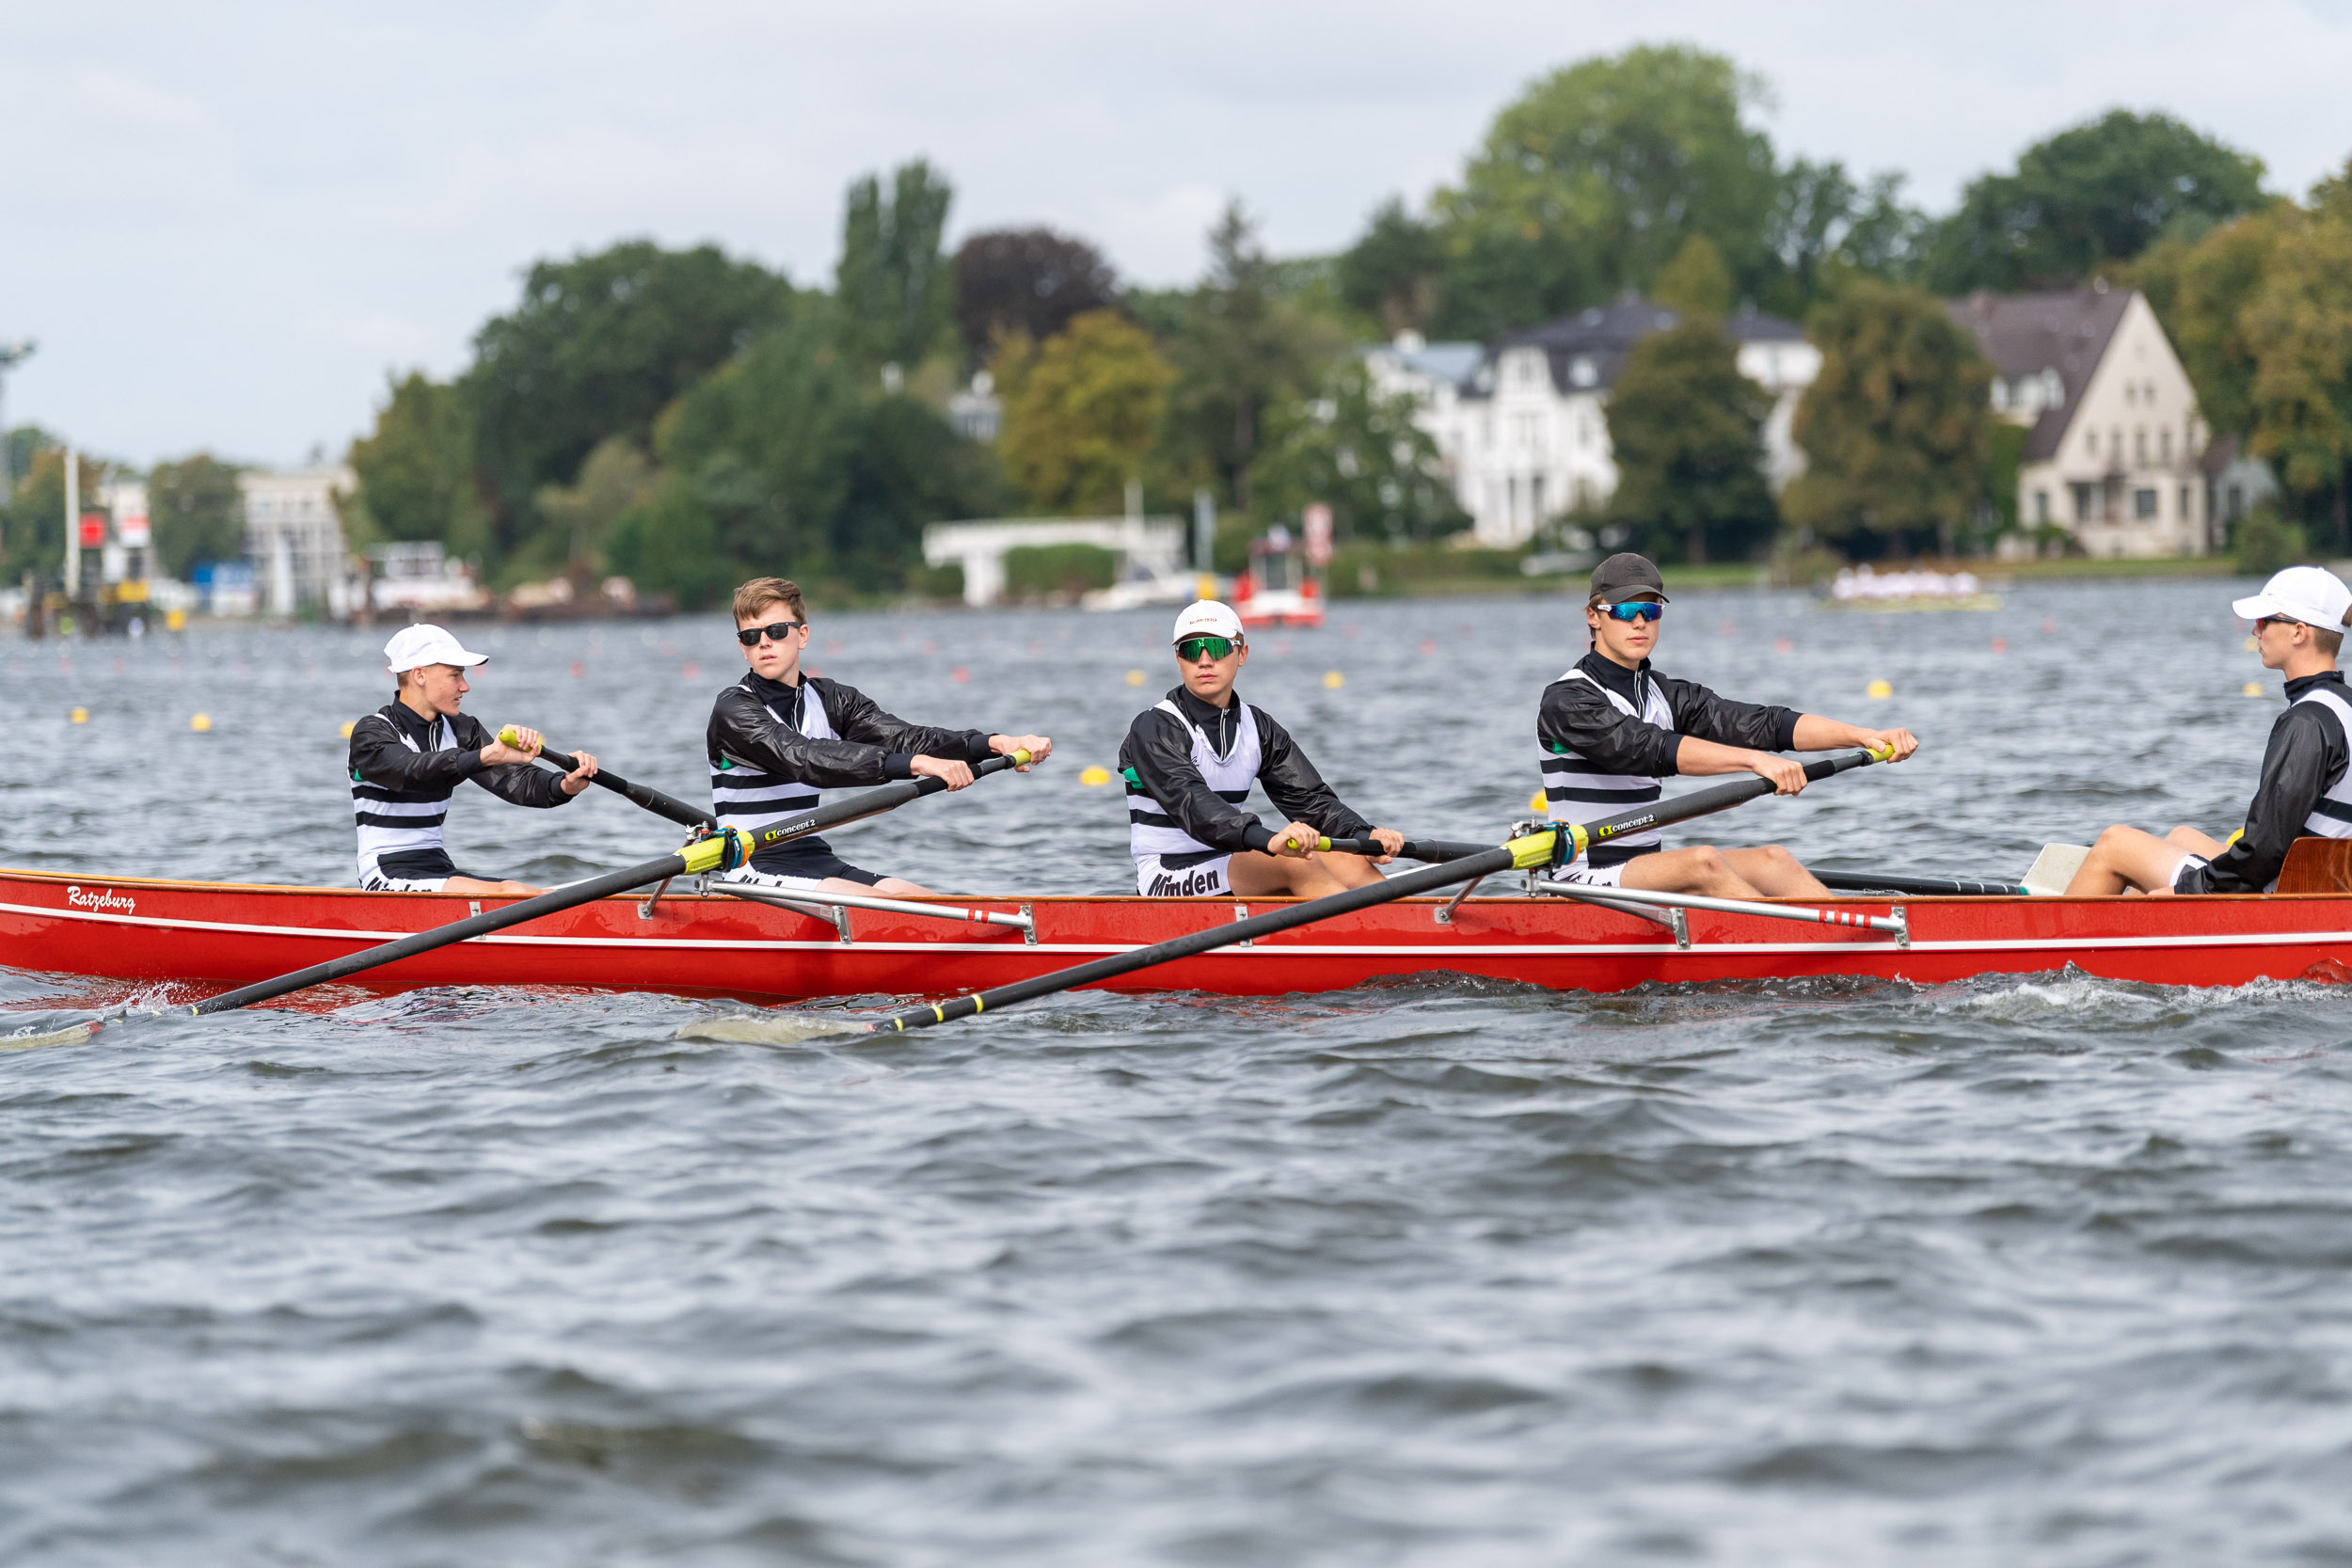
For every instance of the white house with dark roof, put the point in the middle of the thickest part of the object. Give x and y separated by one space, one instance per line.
2114 447
1520 421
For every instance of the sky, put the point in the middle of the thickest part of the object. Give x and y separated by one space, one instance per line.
225 225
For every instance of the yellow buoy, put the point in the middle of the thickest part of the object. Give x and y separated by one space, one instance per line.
1537 802
81 716
175 620
1135 677
1880 689
347 729
2253 689
202 722
1095 776
1333 680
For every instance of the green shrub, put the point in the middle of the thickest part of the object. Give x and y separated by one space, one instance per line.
1043 571
2267 543
938 582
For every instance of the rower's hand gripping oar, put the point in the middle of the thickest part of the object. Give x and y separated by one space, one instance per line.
652 799
1549 846
704 853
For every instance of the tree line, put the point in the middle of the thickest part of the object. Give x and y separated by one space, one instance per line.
686 417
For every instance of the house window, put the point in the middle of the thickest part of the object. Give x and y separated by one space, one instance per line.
2144 503
2189 513
2233 505
1583 371
2090 442
2000 394
1535 499
2042 506
2082 500
2164 445
2139 448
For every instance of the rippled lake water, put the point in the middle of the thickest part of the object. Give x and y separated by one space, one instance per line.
2028 1270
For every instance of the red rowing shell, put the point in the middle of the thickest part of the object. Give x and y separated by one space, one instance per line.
212 935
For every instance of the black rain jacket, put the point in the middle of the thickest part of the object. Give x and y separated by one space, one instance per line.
378 757
2305 758
1158 757
1575 717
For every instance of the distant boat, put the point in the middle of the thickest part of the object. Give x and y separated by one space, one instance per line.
1279 589
1864 588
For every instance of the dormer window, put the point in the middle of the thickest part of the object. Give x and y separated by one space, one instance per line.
1583 371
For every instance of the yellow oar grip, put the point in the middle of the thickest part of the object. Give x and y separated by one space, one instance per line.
1880 751
709 854
1021 758
1535 848
510 737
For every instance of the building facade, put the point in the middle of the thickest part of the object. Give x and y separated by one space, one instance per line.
294 536
2114 448
1521 422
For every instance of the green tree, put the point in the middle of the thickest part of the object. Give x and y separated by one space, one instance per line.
1896 428
895 288
1240 343
416 470
1825 227
196 512
2201 291
2300 327
1391 274
1362 455
1082 411
789 461
1695 282
32 526
2096 192
1591 180
616 480
1686 430
598 346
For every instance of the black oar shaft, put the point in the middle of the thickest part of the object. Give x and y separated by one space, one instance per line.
646 795
442 936
1486 863
1872 882
701 856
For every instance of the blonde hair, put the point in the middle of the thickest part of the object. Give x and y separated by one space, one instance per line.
758 593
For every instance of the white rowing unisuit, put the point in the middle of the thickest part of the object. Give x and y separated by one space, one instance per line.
1170 862
2332 815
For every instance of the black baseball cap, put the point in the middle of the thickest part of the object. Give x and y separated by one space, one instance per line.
1624 574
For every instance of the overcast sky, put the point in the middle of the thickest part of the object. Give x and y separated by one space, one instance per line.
224 223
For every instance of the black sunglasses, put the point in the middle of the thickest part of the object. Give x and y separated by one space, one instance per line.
775 631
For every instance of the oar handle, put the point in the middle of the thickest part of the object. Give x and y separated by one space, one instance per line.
1431 849
652 799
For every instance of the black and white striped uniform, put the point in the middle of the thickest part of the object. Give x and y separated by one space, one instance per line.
1605 736
1170 862
1578 789
773 749
2332 813
404 769
1188 766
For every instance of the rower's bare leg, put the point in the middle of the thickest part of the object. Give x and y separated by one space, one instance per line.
1776 873
2128 860
474 887
1257 875
1703 870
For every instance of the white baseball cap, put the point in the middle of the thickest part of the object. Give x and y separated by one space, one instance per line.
1207 618
413 647
2311 594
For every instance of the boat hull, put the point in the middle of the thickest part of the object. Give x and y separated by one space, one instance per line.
202 937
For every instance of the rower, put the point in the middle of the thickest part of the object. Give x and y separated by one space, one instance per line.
408 757
1611 727
780 735
2299 619
1189 761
